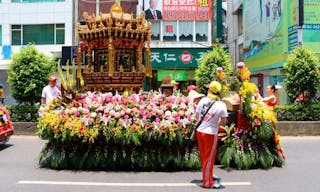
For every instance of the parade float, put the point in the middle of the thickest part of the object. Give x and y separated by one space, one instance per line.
112 125
6 128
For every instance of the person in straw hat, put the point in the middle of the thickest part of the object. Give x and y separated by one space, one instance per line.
194 96
207 132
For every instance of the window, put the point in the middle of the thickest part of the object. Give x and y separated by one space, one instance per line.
202 33
59 34
185 30
170 31
35 1
0 34
155 30
240 23
180 30
16 35
38 34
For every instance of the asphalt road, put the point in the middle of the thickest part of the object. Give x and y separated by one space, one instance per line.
20 173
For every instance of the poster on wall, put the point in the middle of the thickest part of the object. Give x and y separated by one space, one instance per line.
263 31
311 27
173 10
153 9
199 10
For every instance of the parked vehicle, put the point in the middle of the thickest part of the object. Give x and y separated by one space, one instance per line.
6 128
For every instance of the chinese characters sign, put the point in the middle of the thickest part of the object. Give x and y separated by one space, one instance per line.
177 58
186 10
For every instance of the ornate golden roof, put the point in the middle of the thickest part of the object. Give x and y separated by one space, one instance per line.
116 8
116 23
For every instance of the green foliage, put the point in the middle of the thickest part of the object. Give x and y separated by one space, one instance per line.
265 158
24 113
247 149
102 156
28 74
265 131
207 68
294 112
301 73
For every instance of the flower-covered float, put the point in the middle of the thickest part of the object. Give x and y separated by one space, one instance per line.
6 128
145 131
99 129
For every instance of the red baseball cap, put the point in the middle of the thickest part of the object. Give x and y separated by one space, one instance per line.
52 78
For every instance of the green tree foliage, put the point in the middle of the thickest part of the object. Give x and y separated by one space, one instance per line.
207 68
28 74
301 73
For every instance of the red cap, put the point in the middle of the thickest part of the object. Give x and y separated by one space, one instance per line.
52 78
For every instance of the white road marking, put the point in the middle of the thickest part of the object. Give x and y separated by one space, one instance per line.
125 184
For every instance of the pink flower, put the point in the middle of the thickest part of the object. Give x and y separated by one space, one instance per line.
157 120
257 122
128 111
117 115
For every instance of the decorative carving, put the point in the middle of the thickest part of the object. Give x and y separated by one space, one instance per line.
117 41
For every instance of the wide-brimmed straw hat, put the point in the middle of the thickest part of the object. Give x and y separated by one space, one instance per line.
194 95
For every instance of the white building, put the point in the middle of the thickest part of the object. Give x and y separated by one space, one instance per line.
46 23
235 29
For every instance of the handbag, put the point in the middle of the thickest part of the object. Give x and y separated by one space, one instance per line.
193 136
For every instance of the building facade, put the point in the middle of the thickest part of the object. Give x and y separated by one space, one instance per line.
48 24
272 29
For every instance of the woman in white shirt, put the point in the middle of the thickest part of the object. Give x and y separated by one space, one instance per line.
207 132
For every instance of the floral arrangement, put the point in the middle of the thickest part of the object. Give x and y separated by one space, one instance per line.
254 141
146 131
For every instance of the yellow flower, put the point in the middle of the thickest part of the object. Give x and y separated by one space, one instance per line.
247 88
245 73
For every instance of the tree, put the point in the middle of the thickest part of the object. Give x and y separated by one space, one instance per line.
28 74
301 73
207 68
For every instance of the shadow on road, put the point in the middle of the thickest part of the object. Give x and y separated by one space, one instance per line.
4 146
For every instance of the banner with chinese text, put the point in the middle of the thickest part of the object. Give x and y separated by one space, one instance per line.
177 58
199 10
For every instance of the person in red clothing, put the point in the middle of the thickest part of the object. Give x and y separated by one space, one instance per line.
207 132
271 100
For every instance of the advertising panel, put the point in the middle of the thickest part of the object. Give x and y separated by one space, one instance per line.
178 58
293 25
173 10
265 33
311 27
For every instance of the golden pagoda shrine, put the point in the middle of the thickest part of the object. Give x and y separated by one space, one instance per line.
116 45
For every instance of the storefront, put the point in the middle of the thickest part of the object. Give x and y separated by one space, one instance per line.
178 63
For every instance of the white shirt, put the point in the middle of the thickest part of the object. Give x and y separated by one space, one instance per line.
50 93
210 122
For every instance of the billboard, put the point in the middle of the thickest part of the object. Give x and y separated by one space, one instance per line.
311 27
265 33
293 25
173 10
